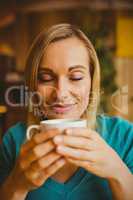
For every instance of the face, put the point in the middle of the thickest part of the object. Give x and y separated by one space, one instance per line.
64 80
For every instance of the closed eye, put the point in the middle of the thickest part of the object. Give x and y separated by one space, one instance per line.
76 76
45 77
76 79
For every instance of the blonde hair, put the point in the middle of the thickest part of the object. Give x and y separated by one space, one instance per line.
39 46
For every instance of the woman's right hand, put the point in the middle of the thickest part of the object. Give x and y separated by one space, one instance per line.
37 161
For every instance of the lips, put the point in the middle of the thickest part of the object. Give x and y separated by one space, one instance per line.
58 108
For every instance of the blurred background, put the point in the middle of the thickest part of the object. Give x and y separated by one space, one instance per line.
109 25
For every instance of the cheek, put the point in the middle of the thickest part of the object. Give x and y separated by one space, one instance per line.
85 96
86 88
45 92
84 92
42 90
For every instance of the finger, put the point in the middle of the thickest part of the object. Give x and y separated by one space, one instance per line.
44 136
81 163
76 142
84 132
89 166
38 177
75 153
45 161
37 152
45 174
39 138
54 167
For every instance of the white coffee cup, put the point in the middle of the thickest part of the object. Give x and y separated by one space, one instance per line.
56 123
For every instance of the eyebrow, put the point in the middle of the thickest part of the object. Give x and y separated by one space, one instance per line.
70 68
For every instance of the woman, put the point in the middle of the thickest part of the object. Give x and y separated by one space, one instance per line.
63 76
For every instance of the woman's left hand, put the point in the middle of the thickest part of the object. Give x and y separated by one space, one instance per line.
86 148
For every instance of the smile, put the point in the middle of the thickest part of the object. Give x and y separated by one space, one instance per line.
62 109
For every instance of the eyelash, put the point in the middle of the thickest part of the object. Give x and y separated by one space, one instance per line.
76 79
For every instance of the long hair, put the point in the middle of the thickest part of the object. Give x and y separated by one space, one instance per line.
37 50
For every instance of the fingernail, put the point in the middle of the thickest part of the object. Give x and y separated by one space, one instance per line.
58 139
60 148
62 161
68 131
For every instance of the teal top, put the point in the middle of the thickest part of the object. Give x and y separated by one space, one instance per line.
83 185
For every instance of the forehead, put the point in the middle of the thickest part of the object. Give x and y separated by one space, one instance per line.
65 53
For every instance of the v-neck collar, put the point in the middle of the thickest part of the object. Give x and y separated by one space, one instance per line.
69 185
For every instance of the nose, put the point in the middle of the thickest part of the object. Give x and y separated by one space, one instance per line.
61 89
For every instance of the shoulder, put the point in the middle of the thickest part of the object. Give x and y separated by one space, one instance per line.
14 137
16 132
117 131
9 148
113 123
18 127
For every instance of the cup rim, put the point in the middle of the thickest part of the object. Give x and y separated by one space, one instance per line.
58 121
